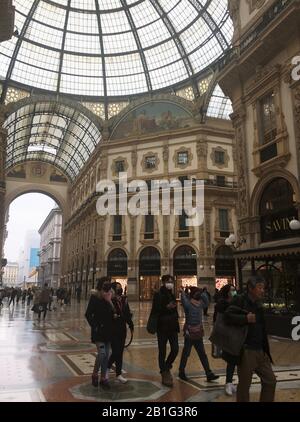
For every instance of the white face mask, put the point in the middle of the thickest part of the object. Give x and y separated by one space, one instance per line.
169 286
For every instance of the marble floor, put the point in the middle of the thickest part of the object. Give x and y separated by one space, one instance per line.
52 361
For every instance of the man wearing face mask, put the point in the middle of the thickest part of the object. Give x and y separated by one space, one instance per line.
122 317
165 307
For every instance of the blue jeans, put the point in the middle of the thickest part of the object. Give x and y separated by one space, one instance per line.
199 346
102 358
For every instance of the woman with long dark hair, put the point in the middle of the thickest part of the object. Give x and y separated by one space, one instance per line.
122 317
225 296
100 314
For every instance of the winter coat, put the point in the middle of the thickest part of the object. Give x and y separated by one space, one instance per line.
45 296
122 316
167 318
100 315
193 311
236 314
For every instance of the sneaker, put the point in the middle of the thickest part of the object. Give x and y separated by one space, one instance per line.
121 379
182 376
95 380
228 389
233 388
166 378
104 384
212 377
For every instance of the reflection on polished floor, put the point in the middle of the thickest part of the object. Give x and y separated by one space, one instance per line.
52 361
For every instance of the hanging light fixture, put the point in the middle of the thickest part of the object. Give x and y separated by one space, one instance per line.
295 224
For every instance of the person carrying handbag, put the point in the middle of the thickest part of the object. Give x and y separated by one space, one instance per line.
194 332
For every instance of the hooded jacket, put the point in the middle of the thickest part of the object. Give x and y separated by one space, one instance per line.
100 314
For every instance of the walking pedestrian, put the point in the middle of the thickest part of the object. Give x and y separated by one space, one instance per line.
225 297
255 355
164 309
194 332
122 318
99 314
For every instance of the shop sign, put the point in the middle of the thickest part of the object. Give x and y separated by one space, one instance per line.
276 226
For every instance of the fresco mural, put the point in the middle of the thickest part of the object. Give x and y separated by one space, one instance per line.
18 172
58 177
153 117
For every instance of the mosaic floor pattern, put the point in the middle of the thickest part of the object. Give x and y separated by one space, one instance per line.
52 360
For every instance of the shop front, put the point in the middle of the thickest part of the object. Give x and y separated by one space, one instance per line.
149 273
117 267
185 268
280 267
225 267
278 257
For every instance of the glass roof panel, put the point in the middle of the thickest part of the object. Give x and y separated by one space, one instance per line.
84 39
182 15
51 132
220 106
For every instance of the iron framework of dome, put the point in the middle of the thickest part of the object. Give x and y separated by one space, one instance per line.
113 48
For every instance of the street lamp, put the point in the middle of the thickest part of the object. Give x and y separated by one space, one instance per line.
231 241
295 224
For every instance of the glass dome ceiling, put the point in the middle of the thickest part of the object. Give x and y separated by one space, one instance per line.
113 48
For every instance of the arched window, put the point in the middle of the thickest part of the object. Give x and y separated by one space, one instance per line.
225 265
277 209
185 261
149 263
117 263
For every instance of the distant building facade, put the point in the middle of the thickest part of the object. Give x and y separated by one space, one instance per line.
11 274
50 232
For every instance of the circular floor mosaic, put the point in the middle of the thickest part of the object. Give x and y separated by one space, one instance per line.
133 390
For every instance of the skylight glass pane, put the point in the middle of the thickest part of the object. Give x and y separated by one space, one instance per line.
182 15
143 14
166 31
219 106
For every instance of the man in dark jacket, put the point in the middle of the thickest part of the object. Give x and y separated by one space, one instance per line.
100 315
255 354
165 307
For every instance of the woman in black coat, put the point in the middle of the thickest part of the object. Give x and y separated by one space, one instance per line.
100 314
225 297
122 317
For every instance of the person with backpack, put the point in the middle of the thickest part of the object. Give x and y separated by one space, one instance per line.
194 332
247 311
225 297
164 312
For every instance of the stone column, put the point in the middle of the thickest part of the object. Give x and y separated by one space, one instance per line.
3 143
240 158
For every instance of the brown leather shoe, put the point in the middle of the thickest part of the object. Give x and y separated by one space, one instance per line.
166 379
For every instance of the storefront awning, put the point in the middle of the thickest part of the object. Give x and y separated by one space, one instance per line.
269 252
